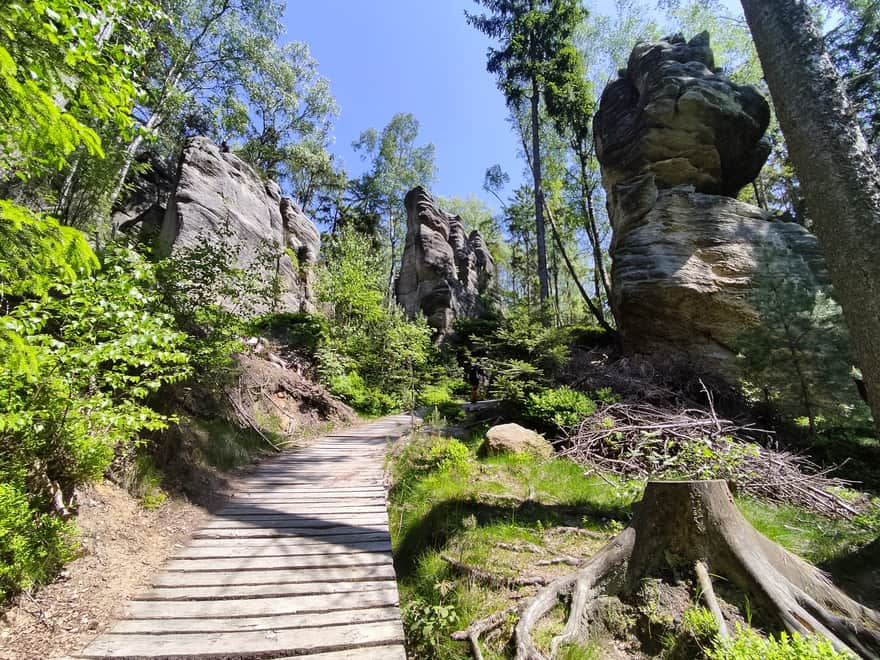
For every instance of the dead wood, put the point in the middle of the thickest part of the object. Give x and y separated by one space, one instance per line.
490 579
642 440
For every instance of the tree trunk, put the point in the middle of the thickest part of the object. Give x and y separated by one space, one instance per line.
837 173
543 278
597 313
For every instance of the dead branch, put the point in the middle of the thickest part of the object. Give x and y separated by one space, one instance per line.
481 627
637 440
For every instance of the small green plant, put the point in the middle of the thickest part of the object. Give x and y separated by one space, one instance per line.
559 408
427 626
747 644
700 624
447 454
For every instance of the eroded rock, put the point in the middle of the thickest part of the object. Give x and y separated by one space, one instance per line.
445 272
219 197
676 141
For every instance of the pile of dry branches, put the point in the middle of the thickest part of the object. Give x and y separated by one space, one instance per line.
641 440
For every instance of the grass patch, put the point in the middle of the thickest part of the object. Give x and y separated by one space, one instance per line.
445 501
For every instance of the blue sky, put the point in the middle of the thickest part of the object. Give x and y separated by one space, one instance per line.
418 56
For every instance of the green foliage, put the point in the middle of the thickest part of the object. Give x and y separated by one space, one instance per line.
800 353
78 364
373 357
60 73
747 644
350 387
33 544
301 331
427 626
448 454
212 296
560 408
40 253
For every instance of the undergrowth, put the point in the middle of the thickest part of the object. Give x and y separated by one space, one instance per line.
505 514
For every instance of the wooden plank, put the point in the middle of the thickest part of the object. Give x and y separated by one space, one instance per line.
219 644
212 609
397 652
367 572
279 590
367 506
288 521
296 565
243 624
281 548
352 539
283 533
277 563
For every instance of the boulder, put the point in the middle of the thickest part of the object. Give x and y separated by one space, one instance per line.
515 439
676 142
445 272
219 197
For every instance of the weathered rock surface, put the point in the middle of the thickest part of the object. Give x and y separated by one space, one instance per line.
515 439
676 141
445 273
219 197
673 115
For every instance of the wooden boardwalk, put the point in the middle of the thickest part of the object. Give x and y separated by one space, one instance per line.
297 564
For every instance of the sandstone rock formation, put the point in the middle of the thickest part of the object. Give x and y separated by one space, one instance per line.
218 197
445 273
676 141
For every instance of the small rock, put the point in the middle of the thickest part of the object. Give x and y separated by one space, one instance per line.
516 439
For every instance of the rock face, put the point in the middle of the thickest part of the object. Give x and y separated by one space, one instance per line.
676 141
515 439
219 197
445 273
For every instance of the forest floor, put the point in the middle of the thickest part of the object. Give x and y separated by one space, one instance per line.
474 536
123 544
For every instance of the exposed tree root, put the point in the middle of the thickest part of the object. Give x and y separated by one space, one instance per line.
698 524
492 580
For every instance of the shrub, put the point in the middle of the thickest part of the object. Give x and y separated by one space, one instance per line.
32 544
749 645
300 330
77 362
350 387
447 453
559 408
368 338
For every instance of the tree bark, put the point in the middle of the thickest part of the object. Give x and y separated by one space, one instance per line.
837 173
543 277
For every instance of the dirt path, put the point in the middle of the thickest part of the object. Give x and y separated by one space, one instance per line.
123 546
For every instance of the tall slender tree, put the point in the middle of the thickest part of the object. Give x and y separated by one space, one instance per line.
397 165
533 36
837 172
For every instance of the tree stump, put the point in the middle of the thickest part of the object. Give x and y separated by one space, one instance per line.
697 523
